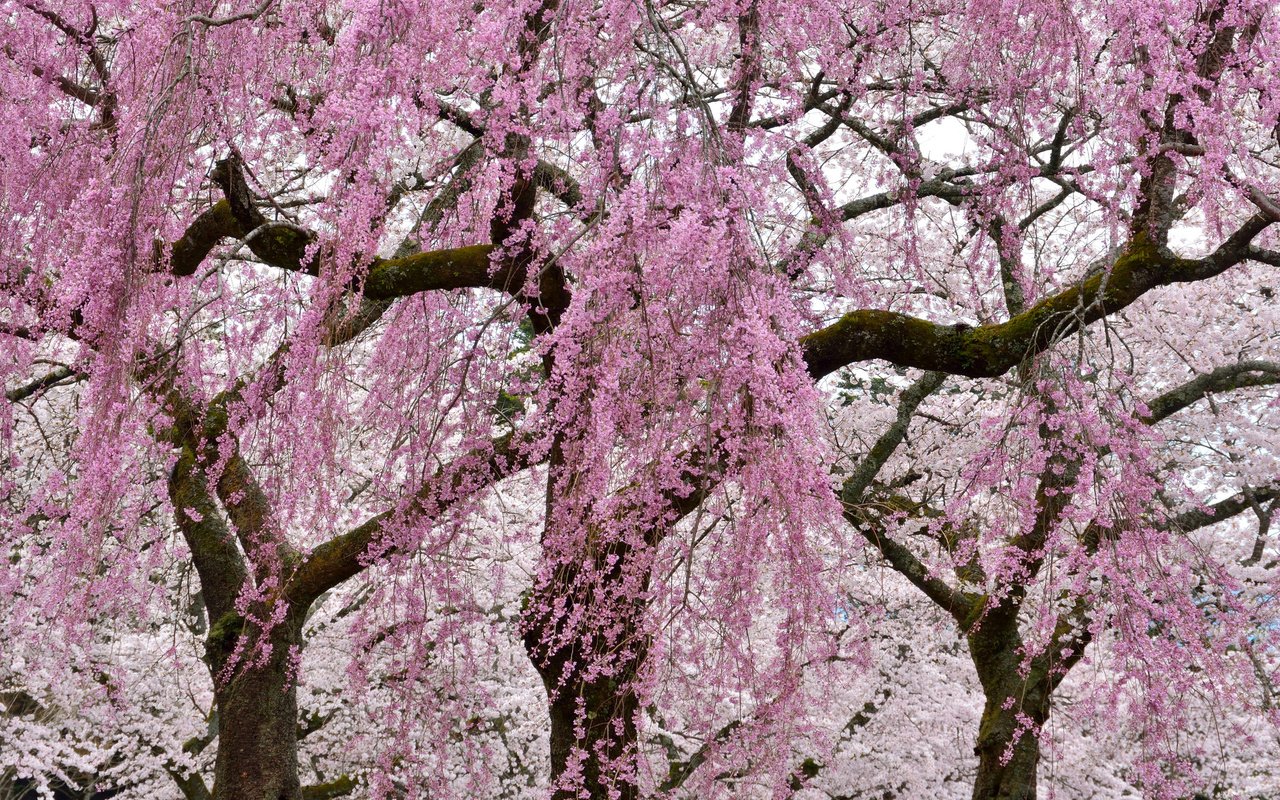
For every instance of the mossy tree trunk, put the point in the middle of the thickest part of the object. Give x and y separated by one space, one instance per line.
593 712
257 702
1017 706
257 712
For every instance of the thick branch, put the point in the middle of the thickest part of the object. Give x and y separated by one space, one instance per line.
1224 509
679 771
941 189
748 69
1264 256
339 787
202 235
988 351
193 786
346 555
51 379
1071 637
853 491
1223 379
217 560
279 244
457 268
284 247
209 440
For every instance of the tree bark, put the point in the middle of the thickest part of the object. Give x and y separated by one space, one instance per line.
606 709
257 714
257 703
593 715
1017 706
998 779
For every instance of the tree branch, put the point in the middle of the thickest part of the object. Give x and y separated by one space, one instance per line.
338 787
285 247
193 786
218 562
1223 379
989 351
1225 509
49 380
856 485
955 602
346 555
209 440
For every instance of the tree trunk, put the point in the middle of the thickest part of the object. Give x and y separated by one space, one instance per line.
998 779
1017 706
607 713
593 716
257 715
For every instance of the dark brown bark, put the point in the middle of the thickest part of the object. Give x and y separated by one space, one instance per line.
1017 705
606 712
257 714
593 717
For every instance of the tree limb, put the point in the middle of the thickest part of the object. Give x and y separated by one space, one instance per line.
338 787
346 555
856 485
1223 379
1224 509
218 562
51 379
989 351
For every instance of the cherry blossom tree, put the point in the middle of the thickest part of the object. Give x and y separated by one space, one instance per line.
294 292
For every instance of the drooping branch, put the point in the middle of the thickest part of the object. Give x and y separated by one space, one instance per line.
1073 632
205 432
472 267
